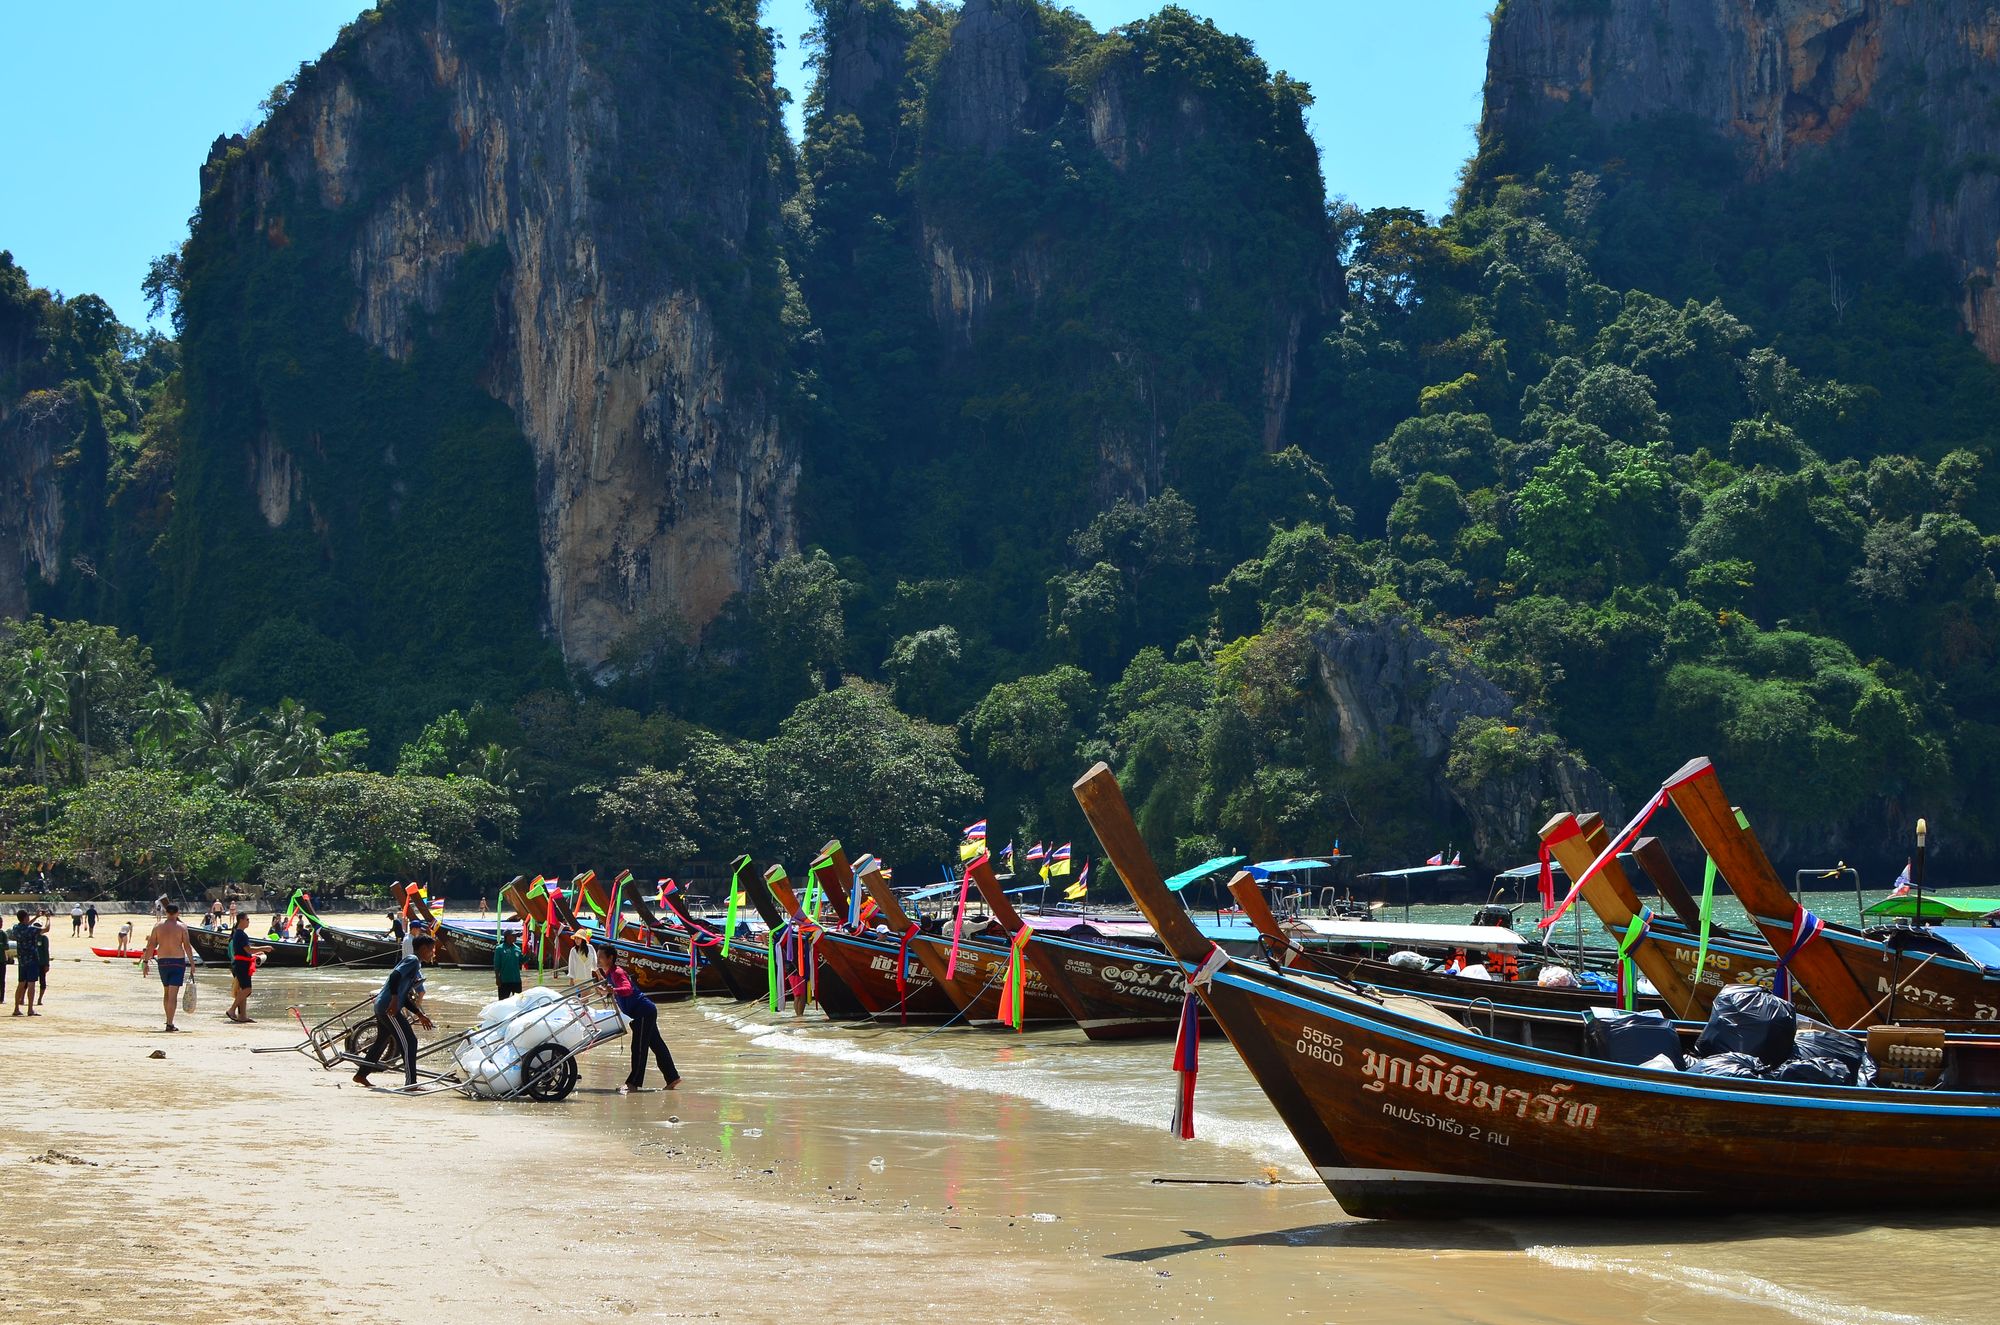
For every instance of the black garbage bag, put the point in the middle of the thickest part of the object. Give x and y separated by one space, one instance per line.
1726 1065
1617 1036
1846 1049
1814 1071
1748 1020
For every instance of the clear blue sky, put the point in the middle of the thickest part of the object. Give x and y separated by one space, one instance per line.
109 106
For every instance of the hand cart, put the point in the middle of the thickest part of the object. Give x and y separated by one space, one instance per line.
556 1032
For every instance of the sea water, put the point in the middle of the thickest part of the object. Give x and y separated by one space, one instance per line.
1052 1145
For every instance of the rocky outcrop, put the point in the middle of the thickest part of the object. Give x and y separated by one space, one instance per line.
34 431
626 161
1392 687
1113 227
1781 78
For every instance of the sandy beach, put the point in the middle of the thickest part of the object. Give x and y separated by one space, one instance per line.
802 1168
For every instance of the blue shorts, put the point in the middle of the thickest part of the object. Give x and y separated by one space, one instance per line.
173 971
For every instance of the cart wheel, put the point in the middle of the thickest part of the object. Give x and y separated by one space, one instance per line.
360 1040
548 1073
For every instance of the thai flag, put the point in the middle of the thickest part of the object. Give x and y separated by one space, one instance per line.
1037 854
1060 853
1438 859
976 832
1902 882
1007 853
1456 859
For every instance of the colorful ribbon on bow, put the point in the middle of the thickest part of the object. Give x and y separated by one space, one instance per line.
735 895
1014 989
1187 1043
1805 928
1627 980
1618 844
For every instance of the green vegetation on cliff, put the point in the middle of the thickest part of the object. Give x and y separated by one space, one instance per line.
1116 435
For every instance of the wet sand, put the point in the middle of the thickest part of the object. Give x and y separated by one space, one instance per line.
801 1169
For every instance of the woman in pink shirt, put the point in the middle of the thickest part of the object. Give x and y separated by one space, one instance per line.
645 1018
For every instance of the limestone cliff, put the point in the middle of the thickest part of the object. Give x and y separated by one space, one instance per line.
571 204
1135 219
1779 78
1498 770
33 431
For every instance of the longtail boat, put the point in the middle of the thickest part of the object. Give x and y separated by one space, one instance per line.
1406 1112
971 972
672 942
339 946
1284 949
212 945
1850 979
1103 986
738 978
801 966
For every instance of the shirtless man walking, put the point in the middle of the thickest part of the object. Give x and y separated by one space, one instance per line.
169 942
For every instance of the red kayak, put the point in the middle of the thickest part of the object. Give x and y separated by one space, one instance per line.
127 954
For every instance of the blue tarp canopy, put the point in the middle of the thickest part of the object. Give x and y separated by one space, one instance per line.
1980 946
1203 870
1264 869
947 889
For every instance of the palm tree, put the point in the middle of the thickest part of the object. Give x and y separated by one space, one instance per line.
495 764
249 764
217 722
165 718
36 703
85 664
300 745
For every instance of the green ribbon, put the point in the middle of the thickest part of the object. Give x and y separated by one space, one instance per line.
735 896
771 967
809 908
1707 908
1632 933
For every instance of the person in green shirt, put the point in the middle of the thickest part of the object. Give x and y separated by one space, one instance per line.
507 965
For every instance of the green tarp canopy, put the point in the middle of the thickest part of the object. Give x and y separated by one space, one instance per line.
1203 870
1935 907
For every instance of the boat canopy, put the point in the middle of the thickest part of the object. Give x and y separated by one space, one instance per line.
1264 869
1981 946
1214 865
1414 871
1449 936
1935 907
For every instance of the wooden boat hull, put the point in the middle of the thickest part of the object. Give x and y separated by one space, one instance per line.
212 945
348 947
1113 993
977 978
1927 987
865 969
1433 1121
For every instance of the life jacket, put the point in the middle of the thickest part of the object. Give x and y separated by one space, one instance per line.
1504 965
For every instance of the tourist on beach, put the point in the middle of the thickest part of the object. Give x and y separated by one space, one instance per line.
242 963
403 990
170 944
27 956
75 919
125 937
277 929
43 963
645 1017
90 920
507 965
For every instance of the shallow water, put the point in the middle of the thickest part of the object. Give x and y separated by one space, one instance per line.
1057 1146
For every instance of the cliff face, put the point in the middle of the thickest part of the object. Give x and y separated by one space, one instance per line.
1497 770
581 196
32 432
1781 78
1113 209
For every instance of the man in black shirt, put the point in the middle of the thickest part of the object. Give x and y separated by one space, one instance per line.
404 989
242 963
